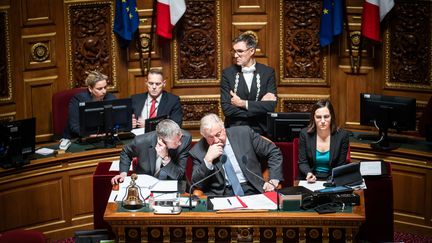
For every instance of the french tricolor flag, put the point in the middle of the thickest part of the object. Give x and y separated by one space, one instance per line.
168 14
374 12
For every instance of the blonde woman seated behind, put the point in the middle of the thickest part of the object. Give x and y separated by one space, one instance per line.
322 145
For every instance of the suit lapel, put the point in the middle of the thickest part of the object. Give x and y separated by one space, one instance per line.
141 104
243 89
162 103
314 148
236 148
332 148
152 156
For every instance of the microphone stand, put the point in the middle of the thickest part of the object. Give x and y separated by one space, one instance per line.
222 160
244 161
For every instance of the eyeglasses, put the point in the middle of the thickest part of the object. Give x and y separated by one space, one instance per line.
239 52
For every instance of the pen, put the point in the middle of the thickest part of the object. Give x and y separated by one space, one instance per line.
229 201
115 197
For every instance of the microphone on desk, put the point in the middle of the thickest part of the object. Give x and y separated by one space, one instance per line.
244 161
223 159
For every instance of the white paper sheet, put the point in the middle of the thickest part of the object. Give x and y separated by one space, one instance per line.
115 166
44 151
318 185
258 201
370 168
138 131
220 203
165 186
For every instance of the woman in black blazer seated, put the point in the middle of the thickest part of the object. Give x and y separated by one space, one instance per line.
322 145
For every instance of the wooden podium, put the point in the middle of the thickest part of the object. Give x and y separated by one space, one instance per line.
211 226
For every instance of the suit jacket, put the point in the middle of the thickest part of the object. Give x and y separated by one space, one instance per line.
169 105
73 126
255 115
143 147
339 142
244 142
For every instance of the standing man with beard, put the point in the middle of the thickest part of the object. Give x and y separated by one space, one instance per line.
248 88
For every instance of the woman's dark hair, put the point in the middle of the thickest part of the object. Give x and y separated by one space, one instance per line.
321 104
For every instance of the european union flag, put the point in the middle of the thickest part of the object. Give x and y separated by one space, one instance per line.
126 21
331 21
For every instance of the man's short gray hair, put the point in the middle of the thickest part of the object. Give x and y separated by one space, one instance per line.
167 129
247 38
208 121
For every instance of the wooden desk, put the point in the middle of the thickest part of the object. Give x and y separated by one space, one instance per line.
235 227
52 194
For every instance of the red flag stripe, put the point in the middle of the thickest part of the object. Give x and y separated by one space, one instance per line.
371 21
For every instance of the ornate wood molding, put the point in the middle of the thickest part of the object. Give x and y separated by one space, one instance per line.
197 50
302 60
298 102
91 43
6 93
196 106
408 47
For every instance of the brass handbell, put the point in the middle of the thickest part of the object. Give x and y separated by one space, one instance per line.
133 196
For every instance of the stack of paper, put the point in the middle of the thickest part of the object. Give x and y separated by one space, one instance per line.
266 201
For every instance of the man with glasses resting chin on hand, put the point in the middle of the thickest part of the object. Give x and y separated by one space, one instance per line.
162 153
248 88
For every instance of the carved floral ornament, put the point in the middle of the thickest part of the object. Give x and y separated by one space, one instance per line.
144 42
40 52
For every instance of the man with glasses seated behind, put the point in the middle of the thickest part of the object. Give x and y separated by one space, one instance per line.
156 102
162 153
248 88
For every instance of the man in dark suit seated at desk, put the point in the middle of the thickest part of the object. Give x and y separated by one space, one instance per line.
162 153
243 148
156 102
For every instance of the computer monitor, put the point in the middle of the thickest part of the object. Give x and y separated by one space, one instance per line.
106 117
285 126
151 123
387 112
17 142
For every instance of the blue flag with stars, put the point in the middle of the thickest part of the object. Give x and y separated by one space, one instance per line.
126 21
331 21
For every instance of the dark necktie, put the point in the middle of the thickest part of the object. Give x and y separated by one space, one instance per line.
232 177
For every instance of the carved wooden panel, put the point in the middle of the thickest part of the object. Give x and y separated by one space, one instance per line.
81 194
39 51
248 6
37 12
302 59
5 58
197 52
38 202
408 53
299 102
196 106
410 181
91 42
38 94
